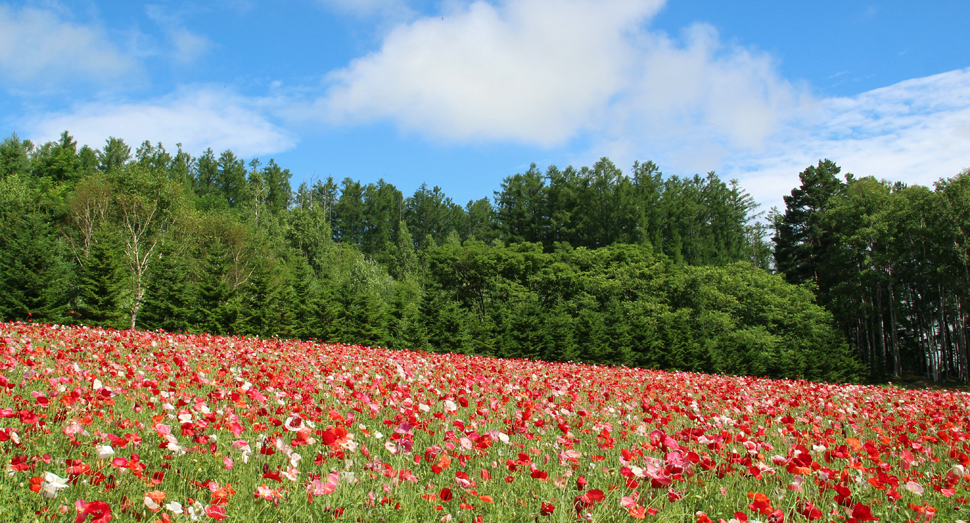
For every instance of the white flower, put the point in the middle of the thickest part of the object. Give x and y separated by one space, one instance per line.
150 503
105 451
52 483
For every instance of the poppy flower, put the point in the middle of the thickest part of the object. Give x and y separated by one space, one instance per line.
445 494
99 511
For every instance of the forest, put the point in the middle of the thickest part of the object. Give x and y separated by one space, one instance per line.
856 279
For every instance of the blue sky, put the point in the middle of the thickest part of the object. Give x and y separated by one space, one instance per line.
461 94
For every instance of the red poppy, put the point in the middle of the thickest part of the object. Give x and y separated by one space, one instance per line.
445 494
99 511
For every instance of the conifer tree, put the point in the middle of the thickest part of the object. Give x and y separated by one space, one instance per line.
168 303
33 268
801 241
100 285
211 310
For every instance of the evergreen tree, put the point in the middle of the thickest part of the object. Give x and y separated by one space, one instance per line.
113 155
521 207
168 303
801 241
33 267
262 302
205 182
100 286
402 261
59 161
480 221
231 179
314 312
14 156
279 194
212 311
430 213
348 221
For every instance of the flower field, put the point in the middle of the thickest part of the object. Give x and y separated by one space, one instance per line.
102 425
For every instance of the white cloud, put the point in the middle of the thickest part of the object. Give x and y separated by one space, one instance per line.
197 118
186 45
543 72
533 71
916 131
39 46
695 101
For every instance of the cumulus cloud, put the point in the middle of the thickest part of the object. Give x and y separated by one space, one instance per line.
197 118
542 72
533 71
38 45
916 131
694 101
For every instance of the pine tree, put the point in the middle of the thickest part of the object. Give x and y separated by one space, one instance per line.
167 298
100 284
800 240
211 310
262 307
33 268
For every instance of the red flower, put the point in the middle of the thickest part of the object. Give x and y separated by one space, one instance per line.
99 511
217 512
863 513
445 494
546 509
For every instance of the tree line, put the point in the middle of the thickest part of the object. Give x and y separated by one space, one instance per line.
587 264
890 261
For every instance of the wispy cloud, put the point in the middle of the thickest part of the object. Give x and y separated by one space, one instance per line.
186 46
916 131
197 118
41 47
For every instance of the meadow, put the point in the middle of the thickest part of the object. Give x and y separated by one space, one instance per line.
104 425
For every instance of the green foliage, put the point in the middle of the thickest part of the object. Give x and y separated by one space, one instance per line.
168 303
585 264
624 305
890 262
34 271
801 242
101 285
14 158
214 309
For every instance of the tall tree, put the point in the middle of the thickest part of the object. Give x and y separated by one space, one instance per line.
432 214
113 156
14 156
168 290
34 267
59 161
521 207
231 178
101 285
801 241
348 221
